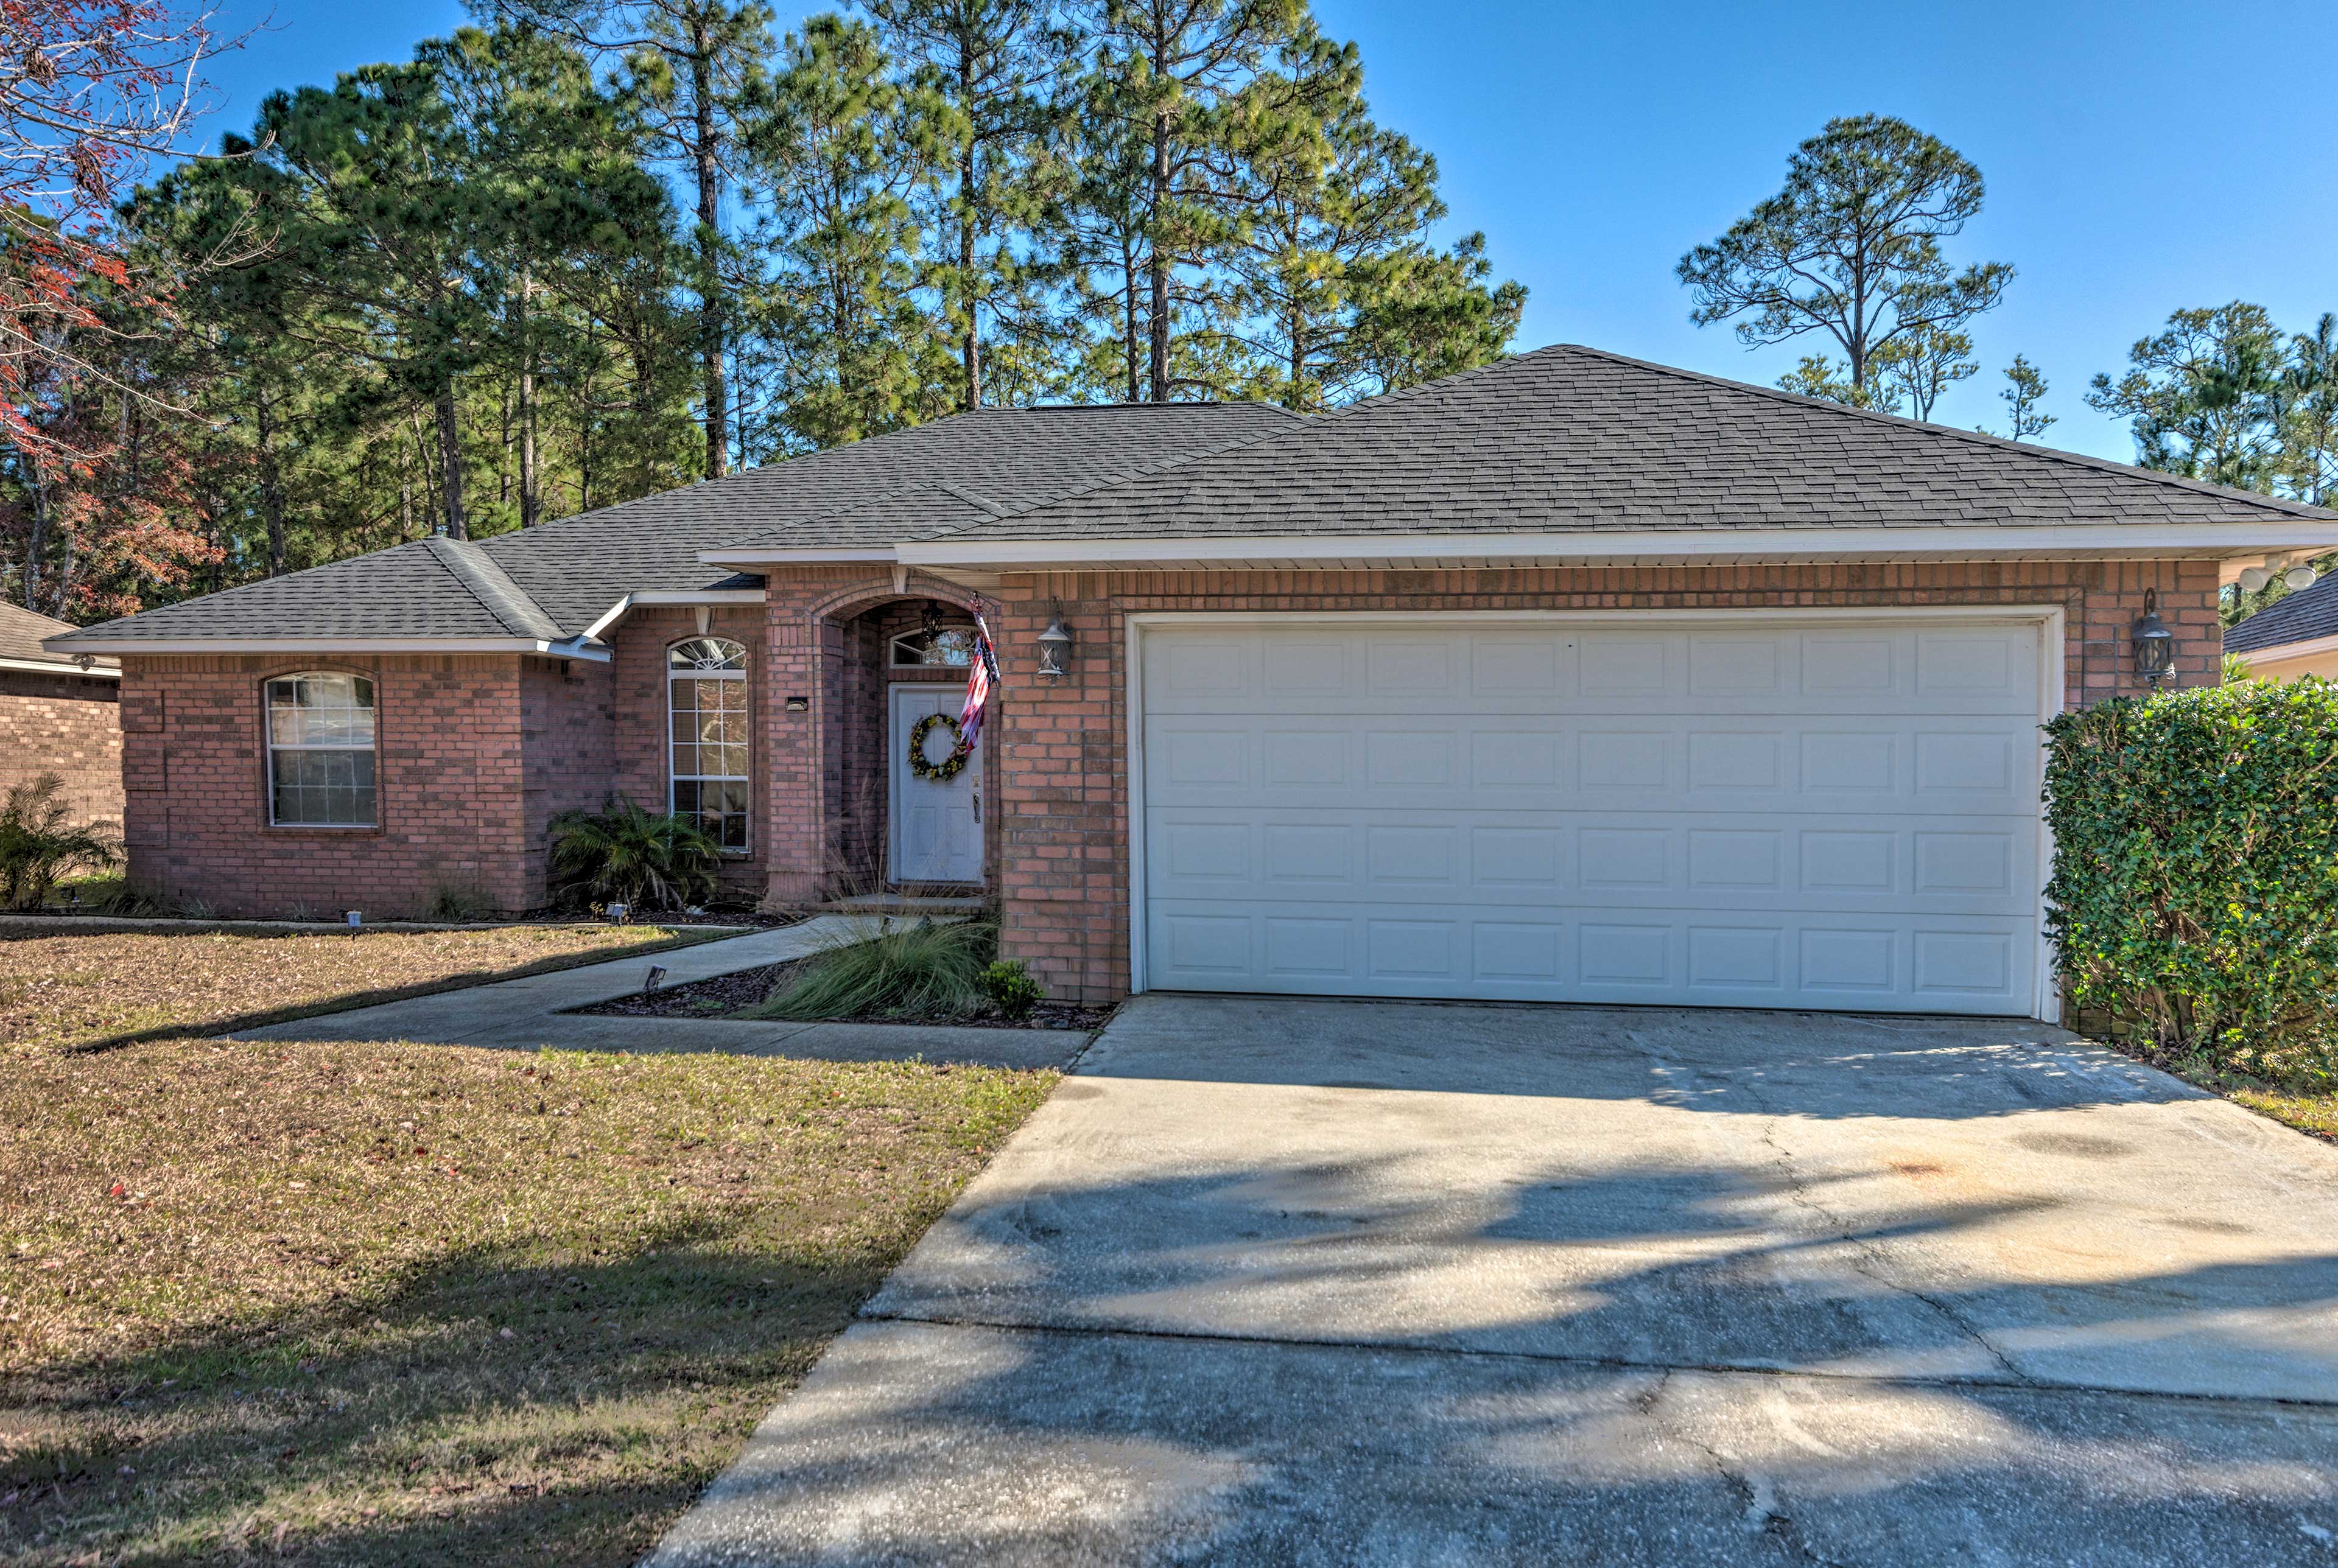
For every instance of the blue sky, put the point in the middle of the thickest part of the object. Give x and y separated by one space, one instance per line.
2140 156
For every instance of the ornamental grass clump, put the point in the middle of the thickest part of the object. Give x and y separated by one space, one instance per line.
2194 904
922 970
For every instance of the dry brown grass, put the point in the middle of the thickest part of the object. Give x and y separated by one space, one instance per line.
399 1304
85 990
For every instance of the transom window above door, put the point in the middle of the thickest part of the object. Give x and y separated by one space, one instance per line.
707 731
952 650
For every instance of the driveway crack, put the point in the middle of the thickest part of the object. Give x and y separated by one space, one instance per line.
1757 1498
1870 1261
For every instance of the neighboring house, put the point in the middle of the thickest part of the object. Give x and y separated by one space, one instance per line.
2296 635
59 713
1572 677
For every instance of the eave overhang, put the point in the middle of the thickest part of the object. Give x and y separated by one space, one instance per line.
1586 547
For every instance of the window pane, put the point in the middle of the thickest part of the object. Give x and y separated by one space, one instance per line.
706 654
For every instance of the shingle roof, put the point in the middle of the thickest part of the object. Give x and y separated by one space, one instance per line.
554 581
20 631
578 567
405 592
1562 440
2298 617
1571 438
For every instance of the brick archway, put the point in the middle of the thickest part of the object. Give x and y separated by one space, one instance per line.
829 782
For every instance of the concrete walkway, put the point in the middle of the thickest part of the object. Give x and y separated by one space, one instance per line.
1315 1283
534 1012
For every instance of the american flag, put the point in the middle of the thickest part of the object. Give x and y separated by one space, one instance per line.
981 680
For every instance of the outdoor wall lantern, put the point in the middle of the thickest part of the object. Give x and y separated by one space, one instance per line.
2155 644
1055 650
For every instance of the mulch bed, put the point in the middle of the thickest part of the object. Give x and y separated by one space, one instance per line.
726 994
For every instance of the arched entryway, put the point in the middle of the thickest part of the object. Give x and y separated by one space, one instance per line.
891 667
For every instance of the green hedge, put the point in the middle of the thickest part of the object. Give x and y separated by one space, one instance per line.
2194 895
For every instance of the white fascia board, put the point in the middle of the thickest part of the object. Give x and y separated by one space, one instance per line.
2280 652
803 555
1652 546
647 596
574 648
63 667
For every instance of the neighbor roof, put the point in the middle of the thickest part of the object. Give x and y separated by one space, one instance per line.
20 631
552 581
2300 617
1568 439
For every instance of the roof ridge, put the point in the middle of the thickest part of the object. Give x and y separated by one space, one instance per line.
1975 437
493 587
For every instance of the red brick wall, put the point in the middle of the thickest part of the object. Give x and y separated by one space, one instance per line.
69 725
1063 811
452 784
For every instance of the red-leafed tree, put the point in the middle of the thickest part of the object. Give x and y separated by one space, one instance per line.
92 92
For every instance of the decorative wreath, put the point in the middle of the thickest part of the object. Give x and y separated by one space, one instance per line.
949 766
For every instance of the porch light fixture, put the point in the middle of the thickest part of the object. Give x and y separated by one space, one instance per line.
1055 650
930 625
2155 644
2298 577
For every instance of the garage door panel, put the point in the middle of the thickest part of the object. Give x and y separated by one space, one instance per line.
1577 953
1682 762
1969 671
1823 814
1956 864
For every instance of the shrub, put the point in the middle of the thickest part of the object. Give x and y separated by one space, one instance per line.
39 843
626 854
2195 894
457 905
923 969
1011 988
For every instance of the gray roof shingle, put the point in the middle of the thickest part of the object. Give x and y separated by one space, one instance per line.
22 631
552 580
2298 617
1562 440
1573 439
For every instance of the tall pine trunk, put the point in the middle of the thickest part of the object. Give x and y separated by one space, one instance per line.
971 348
710 299
530 508
272 483
1157 334
450 459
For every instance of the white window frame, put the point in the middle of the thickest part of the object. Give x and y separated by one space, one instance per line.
372 746
674 676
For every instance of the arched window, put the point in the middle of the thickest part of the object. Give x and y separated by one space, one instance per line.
706 711
320 751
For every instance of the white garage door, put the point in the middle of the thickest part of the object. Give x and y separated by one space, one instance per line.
1763 813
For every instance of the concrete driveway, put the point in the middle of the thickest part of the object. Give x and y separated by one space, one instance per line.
1332 1283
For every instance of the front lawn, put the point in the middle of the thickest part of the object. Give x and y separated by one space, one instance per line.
401 1304
87 989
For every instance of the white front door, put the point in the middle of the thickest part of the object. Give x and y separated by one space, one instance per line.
1781 812
937 823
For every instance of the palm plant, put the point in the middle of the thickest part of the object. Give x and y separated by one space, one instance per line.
39 842
626 855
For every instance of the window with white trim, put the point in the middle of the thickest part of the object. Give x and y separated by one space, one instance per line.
706 719
320 751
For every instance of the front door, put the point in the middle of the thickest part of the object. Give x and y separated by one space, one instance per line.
937 822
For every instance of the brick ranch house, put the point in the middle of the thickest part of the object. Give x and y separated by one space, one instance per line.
59 713
1572 677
